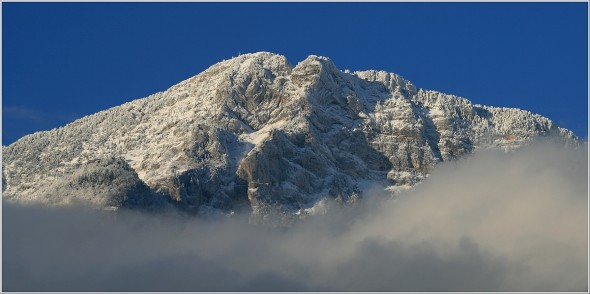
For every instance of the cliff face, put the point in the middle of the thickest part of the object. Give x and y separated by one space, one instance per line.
256 132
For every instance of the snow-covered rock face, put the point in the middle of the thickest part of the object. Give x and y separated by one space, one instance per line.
256 132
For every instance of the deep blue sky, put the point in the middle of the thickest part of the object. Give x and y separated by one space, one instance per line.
61 61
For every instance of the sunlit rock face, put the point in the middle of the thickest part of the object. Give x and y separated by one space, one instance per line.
255 132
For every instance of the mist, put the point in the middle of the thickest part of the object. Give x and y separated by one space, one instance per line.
491 222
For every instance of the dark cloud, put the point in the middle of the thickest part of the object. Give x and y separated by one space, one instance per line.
492 222
23 120
418 267
21 112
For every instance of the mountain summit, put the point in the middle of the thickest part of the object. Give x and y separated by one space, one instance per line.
256 132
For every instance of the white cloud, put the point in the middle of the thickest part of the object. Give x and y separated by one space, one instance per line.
492 222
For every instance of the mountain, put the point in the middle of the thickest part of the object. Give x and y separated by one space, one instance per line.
255 132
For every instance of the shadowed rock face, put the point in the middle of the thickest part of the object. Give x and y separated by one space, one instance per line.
256 132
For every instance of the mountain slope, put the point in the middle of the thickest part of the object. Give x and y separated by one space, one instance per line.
256 132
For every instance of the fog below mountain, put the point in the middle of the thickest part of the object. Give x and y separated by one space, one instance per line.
490 222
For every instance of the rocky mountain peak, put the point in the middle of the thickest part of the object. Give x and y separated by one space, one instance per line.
314 64
255 132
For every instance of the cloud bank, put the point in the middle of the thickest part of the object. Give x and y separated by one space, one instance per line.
491 222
